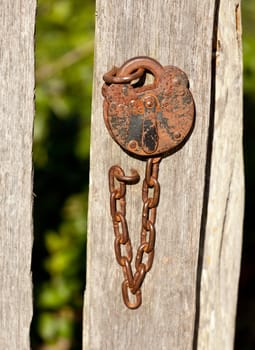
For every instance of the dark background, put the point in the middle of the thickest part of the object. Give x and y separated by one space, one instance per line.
64 59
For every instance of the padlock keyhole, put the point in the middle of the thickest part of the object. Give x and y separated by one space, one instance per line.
150 129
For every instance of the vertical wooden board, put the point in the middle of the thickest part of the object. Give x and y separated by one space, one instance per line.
17 18
223 238
178 33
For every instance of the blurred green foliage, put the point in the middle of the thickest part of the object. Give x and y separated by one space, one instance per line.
248 10
64 59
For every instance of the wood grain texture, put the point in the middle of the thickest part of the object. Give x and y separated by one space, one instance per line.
17 18
178 33
223 238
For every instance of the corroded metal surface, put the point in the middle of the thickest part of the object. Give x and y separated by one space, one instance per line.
131 286
148 120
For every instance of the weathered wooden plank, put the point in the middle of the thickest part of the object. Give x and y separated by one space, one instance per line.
223 238
178 33
17 18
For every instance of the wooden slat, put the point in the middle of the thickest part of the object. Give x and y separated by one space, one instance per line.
178 33
223 240
17 18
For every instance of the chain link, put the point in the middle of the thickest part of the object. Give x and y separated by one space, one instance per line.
122 244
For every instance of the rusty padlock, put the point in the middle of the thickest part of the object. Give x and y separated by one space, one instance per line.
148 120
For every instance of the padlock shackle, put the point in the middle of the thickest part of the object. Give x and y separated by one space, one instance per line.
143 62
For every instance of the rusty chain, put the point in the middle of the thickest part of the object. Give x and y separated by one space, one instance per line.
133 281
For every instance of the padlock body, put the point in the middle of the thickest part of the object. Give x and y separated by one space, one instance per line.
150 120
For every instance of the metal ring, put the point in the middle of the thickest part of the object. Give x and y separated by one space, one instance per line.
126 299
111 77
146 63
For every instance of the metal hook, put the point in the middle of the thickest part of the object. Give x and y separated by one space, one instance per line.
128 179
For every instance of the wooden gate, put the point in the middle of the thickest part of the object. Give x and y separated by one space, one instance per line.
189 296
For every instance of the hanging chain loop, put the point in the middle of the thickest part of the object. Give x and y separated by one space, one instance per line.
122 244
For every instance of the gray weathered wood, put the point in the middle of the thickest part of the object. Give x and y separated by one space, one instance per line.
17 18
223 239
174 301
